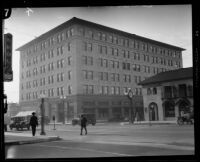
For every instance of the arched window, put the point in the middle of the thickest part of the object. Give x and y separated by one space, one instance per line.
154 90
148 91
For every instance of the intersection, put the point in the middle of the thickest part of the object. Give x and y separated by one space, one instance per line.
109 140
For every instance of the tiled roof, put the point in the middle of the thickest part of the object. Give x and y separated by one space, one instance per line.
179 74
75 20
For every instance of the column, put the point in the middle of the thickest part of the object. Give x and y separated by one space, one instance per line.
122 112
110 112
96 113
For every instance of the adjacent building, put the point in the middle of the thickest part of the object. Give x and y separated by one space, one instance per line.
80 66
13 109
166 94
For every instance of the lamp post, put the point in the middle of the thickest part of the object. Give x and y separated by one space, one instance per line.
42 115
150 114
63 103
130 96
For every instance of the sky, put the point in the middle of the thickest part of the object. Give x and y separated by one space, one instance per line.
171 24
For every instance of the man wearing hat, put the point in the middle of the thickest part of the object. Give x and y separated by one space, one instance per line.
33 123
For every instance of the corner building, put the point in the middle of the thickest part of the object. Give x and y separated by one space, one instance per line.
81 66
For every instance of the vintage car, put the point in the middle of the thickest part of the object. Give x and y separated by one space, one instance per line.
91 119
21 120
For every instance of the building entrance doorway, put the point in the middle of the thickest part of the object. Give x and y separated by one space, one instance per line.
153 112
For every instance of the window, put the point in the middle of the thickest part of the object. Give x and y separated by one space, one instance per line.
69 89
148 91
117 77
169 109
112 64
90 33
59 38
111 38
125 90
112 77
103 37
61 50
62 63
154 90
117 90
112 92
88 89
136 67
69 46
115 40
125 66
90 75
87 46
105 63
69 60
117 64
105 90
69 75
62 36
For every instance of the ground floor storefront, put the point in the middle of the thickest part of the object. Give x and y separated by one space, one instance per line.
105 108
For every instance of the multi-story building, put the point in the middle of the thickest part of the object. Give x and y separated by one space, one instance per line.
166 94
82 66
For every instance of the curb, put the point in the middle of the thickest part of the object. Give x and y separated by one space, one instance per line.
32 141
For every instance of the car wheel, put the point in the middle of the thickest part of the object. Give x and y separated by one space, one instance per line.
180 122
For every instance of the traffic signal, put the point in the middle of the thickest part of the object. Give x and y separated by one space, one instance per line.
7 61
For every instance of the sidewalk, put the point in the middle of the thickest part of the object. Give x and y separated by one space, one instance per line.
18 138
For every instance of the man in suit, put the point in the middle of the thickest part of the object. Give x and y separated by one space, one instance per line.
83 124
33 123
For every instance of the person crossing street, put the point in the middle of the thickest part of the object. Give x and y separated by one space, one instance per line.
33 123
83 124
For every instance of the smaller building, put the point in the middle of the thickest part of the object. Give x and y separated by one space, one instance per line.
167 94
13 109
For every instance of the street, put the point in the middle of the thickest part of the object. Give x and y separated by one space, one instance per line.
109 140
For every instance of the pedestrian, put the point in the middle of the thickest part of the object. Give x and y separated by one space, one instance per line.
83 124
33 123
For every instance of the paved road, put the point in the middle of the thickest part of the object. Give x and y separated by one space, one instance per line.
109 141
69 149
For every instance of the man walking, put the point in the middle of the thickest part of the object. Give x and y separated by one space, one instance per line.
83 124
33 123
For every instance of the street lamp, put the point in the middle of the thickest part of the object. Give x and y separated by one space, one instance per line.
63 103
42 110
130 96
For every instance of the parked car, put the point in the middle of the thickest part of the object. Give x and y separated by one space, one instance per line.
91 119
21 120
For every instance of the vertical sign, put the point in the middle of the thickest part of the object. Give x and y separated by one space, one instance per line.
7 61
